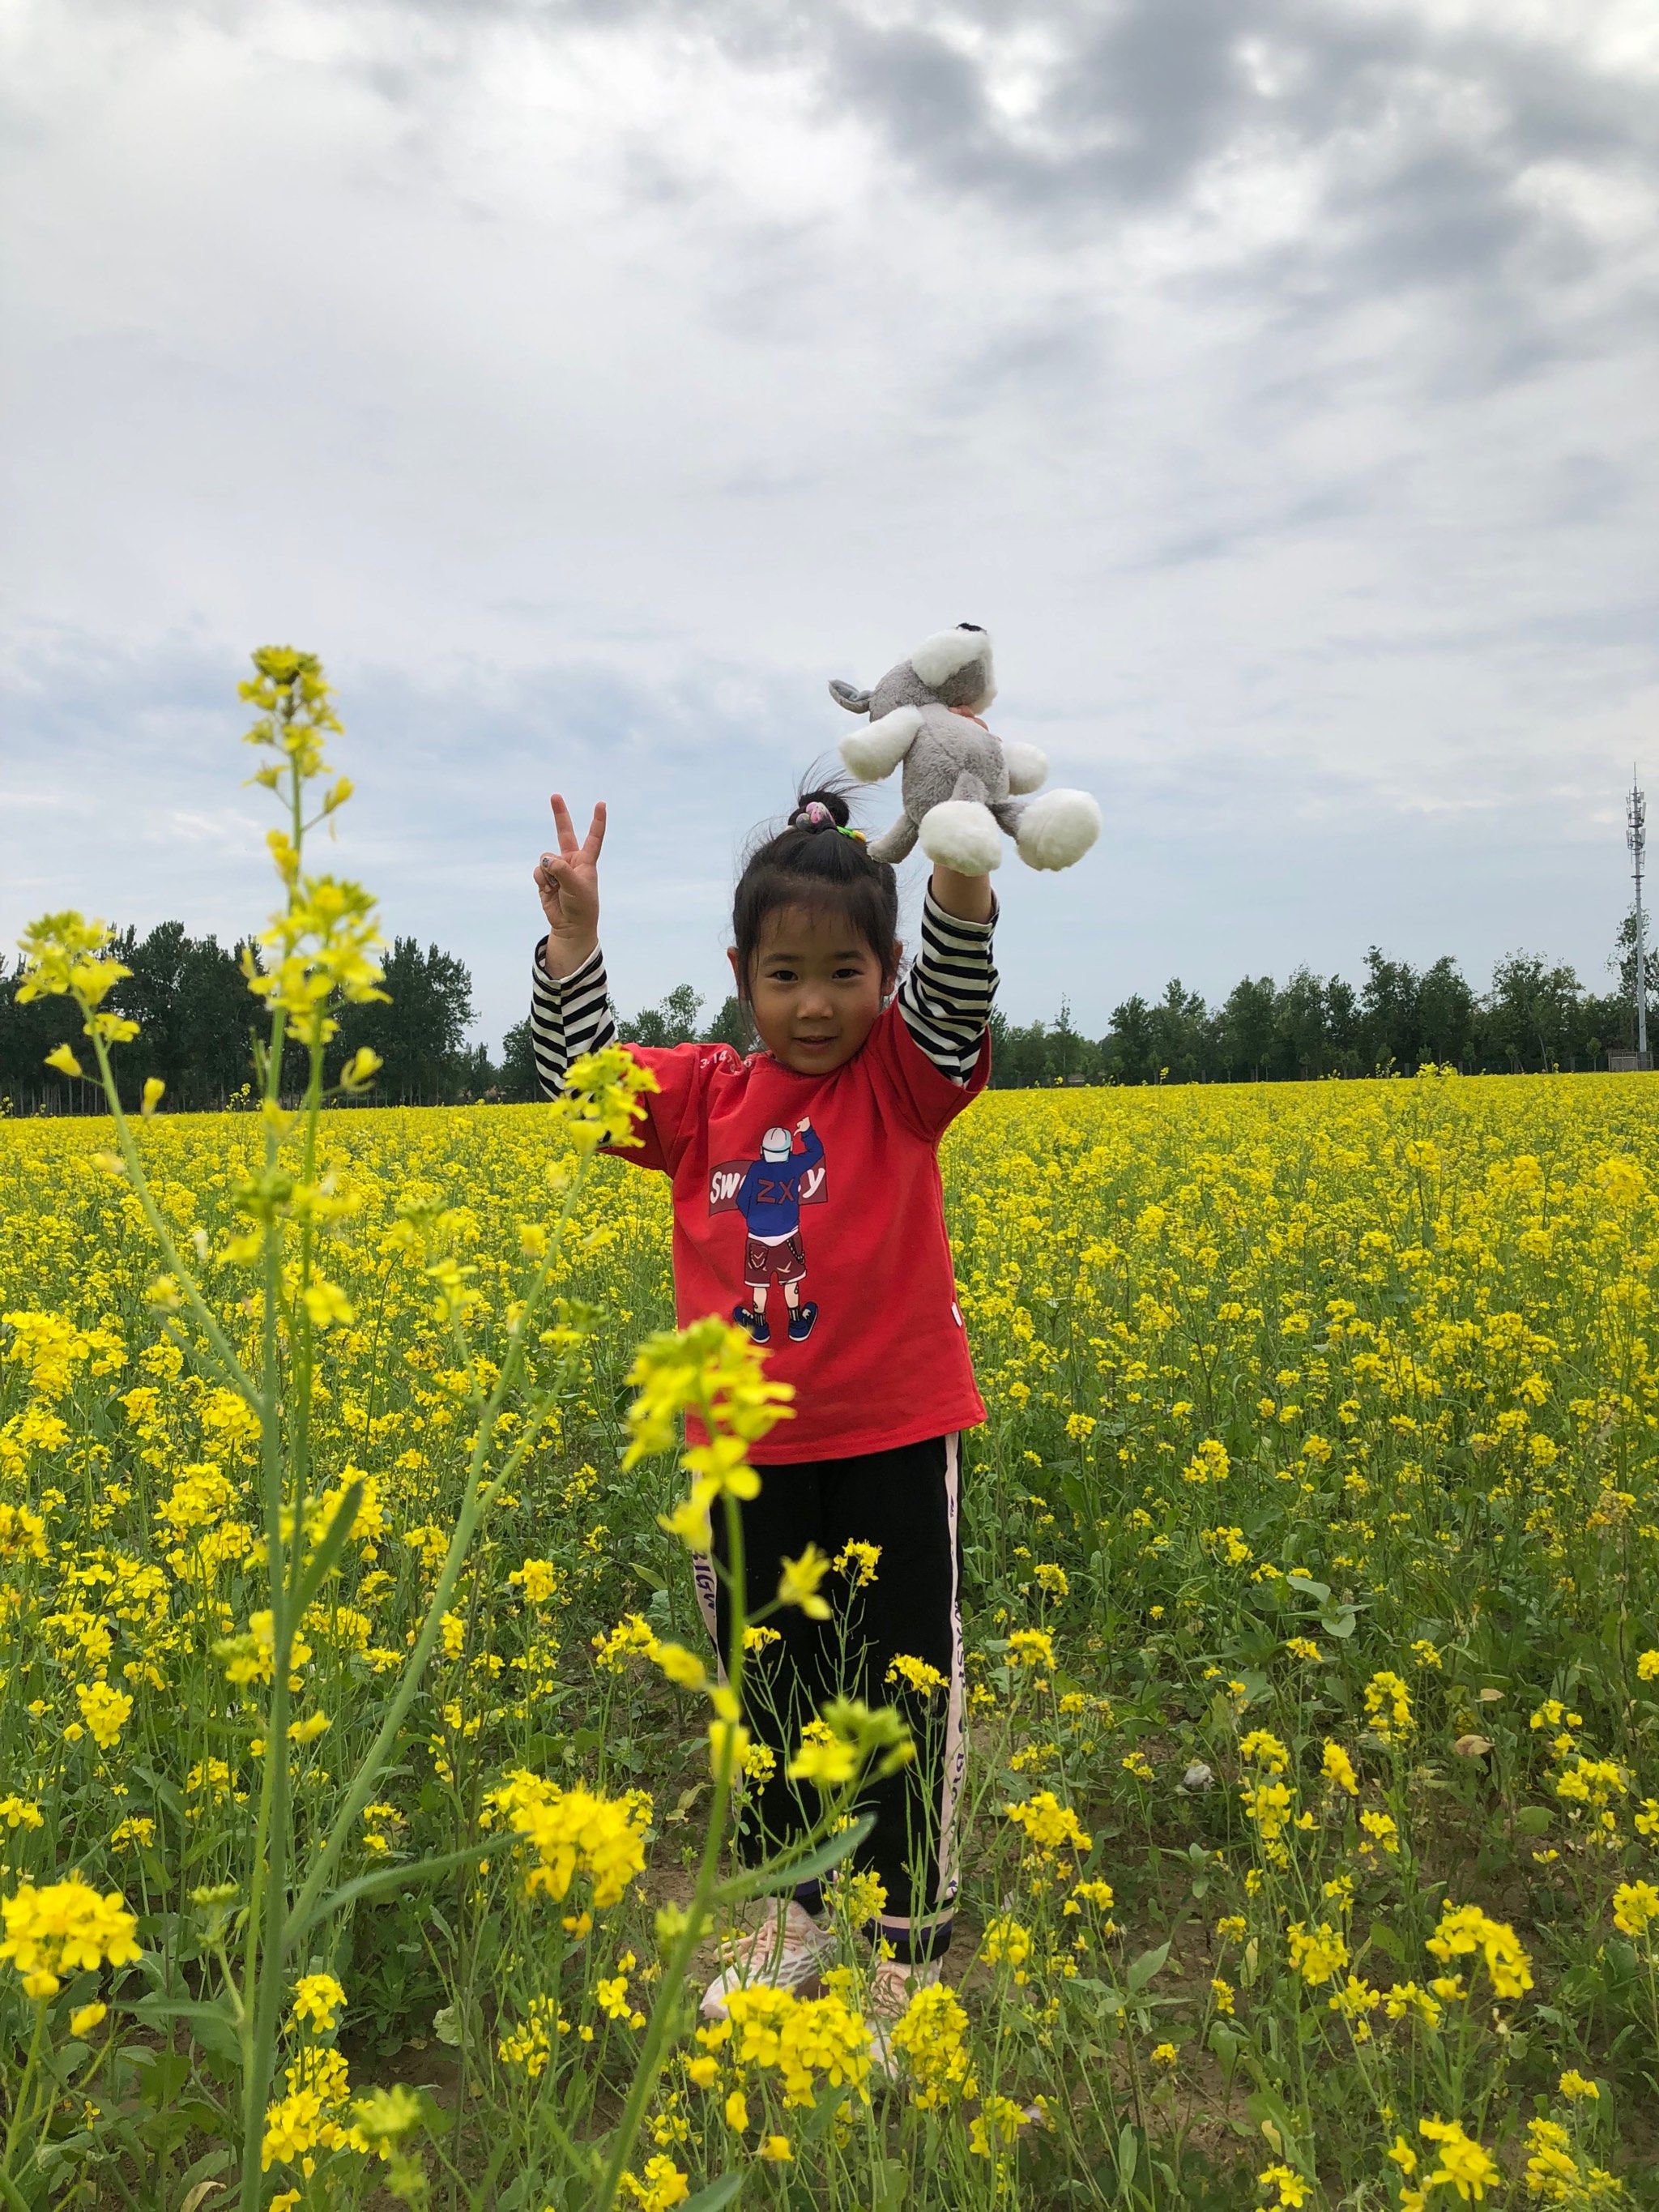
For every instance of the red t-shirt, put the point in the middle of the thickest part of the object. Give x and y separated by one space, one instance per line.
857 1228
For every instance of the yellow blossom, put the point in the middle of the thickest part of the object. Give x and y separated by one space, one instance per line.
318 2001
1338 1769
1465 1930
799 1583
64 1927
1461 2162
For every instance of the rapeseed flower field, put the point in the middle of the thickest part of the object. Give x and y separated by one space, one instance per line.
1312 1552
1314 1565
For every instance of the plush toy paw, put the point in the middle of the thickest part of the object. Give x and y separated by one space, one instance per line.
1027 766
961 834
1056 830
871 754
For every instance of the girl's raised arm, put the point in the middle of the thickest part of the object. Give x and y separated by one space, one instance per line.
567 881
968 898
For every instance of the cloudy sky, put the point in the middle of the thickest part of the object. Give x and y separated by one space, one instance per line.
588 383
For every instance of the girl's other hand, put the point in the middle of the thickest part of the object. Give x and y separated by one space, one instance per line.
567 881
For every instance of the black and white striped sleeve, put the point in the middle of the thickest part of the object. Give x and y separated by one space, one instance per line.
945 998
569 1018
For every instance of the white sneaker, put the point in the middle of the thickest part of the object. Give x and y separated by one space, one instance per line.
886 2001
785 1952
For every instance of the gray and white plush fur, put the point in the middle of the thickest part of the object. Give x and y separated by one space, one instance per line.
961 785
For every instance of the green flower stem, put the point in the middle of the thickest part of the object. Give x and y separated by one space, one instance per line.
269 1867
267 1926
23 2088
257 2055
652 2052
305 1340
478 1496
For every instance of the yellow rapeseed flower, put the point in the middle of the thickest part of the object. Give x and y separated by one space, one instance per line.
65 1928
318 2001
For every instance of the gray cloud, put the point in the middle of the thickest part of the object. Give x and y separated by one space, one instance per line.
589 381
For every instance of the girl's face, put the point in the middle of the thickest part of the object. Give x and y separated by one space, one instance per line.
816 988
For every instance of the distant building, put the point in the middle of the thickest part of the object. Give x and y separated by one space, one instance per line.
1629 1063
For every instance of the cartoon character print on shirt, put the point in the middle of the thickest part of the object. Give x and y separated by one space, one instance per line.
769 1193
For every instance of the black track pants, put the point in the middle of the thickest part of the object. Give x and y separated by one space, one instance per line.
906 1502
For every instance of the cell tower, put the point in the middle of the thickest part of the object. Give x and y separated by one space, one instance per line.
1636 836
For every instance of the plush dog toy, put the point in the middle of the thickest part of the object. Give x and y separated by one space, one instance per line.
960 783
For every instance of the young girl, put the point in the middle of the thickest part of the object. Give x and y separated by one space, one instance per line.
814 1162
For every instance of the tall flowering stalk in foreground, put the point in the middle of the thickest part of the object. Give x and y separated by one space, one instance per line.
713 1373
319 951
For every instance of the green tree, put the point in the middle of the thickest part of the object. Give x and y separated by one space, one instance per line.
1389 998
519 1082
421 1035
27 1033
1183 1036
1245 1028
1020 1054
1302 1029
730 1026
1128 1045
1344 1025
190 998
1531 1014
1039 1055
673 1021
1075 1058
1446 1013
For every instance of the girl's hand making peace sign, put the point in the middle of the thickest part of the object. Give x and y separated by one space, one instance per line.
568 884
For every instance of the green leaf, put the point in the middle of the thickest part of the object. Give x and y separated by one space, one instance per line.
323 1559
717 2193
1280 2129
162 1792
211 2024
1533 1819
767 1879
210 2162
889 2185
1387 1942
1338 1620
823 2112
1309 1588
1143 1968
405 1876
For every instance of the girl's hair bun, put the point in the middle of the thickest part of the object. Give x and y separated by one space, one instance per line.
816 860
810 806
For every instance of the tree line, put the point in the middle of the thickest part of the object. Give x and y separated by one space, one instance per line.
1535 1016
190 996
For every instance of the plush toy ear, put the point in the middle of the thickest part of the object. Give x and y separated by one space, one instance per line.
937 659
849 696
